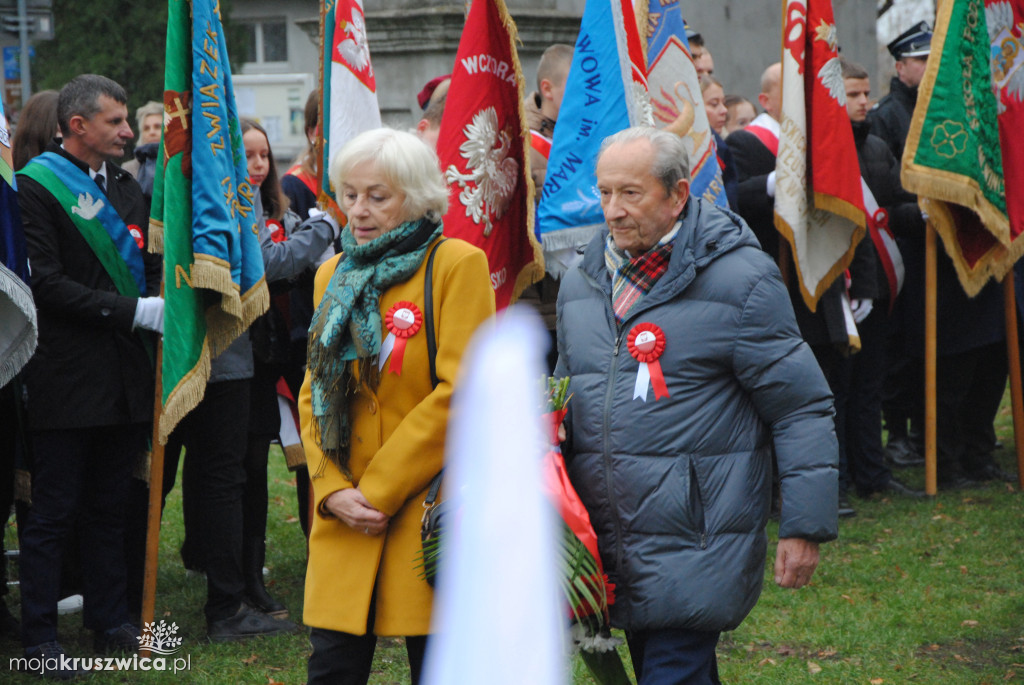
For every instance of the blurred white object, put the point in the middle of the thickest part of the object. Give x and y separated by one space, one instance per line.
70 605
498 610
861 309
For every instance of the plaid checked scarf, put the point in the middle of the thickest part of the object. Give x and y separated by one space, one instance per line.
632 278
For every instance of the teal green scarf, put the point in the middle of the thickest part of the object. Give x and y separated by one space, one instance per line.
347 326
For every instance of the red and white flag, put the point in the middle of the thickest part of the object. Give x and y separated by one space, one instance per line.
819 205
483 146
348 104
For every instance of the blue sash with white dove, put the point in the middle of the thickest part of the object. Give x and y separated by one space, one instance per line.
92 214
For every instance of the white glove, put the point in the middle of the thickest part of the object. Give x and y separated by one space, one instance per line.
316 213
860 309
770 189
149 314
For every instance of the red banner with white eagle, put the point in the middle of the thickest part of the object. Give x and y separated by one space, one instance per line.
482 147
1005 20
819 206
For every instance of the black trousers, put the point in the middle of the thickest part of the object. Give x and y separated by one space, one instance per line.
863 427
214 437
345 659
969 388
674 657
79 480
9 433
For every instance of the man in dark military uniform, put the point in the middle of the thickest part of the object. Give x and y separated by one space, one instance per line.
971 332
890 119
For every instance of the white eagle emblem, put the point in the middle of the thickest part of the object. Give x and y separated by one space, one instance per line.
1007 52
355 48
491 176
831 76
831 73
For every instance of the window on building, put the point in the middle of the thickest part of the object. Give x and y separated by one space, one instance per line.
266 41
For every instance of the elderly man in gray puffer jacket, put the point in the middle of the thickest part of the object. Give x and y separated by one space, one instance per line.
687 370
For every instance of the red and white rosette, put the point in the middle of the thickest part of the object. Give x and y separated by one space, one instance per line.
402 321
136 234
646 342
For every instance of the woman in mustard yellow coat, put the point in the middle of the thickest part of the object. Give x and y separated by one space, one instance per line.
373 424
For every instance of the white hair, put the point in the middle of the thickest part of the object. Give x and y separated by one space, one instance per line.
408 164
671 162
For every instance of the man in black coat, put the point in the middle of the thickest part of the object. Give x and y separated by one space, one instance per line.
89 388
890 121
874 284
890 118
971 332
754 150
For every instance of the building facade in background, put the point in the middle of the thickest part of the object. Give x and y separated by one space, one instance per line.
412 41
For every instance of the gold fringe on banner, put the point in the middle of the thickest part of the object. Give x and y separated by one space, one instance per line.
533 271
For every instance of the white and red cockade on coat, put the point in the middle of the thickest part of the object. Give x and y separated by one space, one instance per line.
402 321
646 342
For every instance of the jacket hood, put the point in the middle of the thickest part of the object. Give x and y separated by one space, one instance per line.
707 233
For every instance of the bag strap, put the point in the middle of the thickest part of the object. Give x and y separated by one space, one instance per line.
435 487
428 316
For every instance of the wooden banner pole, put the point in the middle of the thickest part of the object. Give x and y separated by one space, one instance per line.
156 486
930 355
1013 363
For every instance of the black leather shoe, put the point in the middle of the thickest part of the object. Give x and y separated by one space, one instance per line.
247 623
50 661
991 472
124 638
897 487
845 509
901 454
958 482
258 597
893 487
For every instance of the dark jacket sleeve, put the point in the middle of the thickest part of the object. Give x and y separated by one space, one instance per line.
51 239
293 256
789 391
754 163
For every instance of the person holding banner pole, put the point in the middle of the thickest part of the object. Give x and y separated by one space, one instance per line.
876 276
89 388
890 119
754 151
215 436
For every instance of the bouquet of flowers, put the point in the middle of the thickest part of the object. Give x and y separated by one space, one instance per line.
585 586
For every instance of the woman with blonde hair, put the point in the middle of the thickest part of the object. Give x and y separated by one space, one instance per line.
142 165
396 310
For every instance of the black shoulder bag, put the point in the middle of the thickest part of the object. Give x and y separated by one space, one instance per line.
433 511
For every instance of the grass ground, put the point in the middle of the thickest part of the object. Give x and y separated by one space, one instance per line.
925 591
